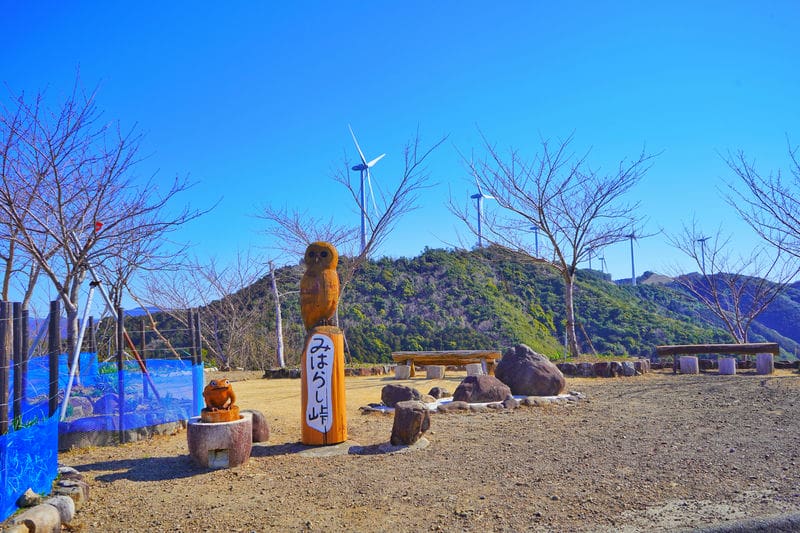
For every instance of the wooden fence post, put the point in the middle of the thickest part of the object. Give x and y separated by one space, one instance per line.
19 391
26 340
121 370
54 350
6 347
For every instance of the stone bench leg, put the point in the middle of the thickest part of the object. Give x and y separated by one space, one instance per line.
402 372
689 364
765 363
434 372
475 369
727 366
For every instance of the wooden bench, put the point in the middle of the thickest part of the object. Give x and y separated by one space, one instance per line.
487 358
749 348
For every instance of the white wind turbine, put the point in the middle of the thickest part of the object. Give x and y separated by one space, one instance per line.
363 168
478 197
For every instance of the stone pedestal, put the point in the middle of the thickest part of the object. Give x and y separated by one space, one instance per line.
765 363
220 444
689 364
434 372
727 366
402 372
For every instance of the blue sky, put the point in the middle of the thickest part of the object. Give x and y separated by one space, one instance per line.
252 100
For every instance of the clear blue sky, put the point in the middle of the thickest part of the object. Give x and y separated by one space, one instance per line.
252 100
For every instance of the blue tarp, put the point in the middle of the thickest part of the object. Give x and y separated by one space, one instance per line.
28 459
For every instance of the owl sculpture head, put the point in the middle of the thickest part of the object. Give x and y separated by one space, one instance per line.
321 256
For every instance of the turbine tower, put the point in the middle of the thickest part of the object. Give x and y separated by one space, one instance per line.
702 241
478 197
363 168
632 236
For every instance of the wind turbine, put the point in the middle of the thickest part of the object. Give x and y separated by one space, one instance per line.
632 236
702 241
603 265
363 168
478 197
536 239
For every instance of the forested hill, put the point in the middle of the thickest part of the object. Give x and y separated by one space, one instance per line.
488 299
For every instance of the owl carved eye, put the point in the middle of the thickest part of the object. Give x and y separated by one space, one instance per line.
323 254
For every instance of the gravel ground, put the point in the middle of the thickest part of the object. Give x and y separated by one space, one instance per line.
652 453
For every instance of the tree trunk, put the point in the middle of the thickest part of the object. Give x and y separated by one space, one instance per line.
569 302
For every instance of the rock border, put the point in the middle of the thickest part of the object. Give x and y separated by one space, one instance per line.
448 406
70 491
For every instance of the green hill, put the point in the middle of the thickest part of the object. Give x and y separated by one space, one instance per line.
487 298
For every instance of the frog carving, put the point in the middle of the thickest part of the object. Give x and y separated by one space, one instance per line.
219 394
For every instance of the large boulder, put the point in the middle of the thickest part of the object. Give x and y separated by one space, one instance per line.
481 389
528 373
411 420
391 394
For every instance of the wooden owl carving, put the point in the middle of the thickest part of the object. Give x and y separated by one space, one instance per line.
319 287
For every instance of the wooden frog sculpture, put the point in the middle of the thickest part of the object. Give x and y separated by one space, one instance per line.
218 393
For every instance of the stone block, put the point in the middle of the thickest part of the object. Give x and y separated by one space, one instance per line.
689 364
434 372
765 363
402 372
475 369
727 366
41 519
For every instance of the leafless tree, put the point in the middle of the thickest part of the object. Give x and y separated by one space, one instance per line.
769 203
294 231
734 288
83 205
232 324
576 209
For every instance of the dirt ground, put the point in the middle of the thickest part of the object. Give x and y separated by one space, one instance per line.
653 453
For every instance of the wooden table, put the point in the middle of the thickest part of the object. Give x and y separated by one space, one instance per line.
487 358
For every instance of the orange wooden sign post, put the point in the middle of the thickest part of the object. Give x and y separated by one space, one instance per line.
324 419
322 376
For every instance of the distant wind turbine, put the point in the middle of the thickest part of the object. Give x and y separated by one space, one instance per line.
536 239
603 265
363 168
702 241
478 197
632 236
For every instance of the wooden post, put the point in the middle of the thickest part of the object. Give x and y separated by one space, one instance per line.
19 391
121 371
54 350
25 347
92 336
324 416
198 337
6 346
142 344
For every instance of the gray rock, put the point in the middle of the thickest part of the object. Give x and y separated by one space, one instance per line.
391 394
80 406
77 490
29 499
41 519
260 425
411 420
452 407
528 373
427 398
628 369
65 506
510 403
481 389
439 392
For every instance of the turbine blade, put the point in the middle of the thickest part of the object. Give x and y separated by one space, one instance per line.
360 153
480 191
372 163
371 192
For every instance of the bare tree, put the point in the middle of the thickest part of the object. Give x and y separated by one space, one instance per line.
769 203
83 203
231 322
294 231
735 289
575 208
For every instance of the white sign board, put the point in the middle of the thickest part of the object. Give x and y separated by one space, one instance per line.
319 371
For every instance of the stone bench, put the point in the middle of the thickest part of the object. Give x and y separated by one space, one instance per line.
765 351
486 358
